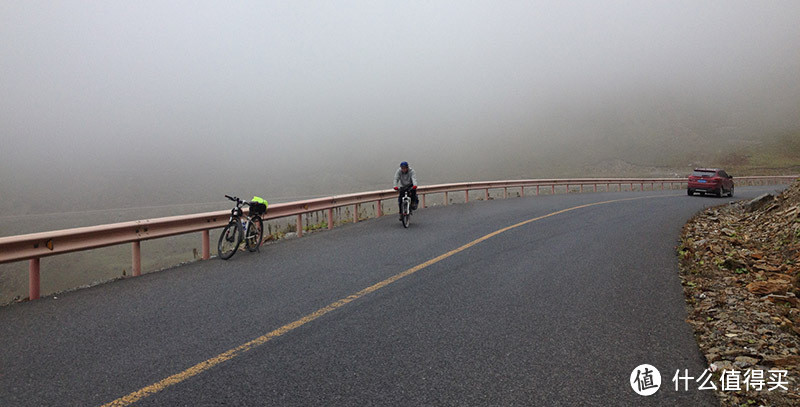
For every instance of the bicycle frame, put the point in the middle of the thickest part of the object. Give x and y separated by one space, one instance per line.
238 214
406 203
405 207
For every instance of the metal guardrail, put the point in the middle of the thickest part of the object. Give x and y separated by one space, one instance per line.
34 246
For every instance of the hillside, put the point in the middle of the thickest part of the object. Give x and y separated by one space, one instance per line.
678 155
740 266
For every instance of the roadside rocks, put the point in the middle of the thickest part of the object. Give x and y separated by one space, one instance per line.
758 202
768 287
734 264
781 360
740 268
745 361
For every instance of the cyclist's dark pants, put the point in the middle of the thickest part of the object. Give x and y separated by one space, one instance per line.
412 193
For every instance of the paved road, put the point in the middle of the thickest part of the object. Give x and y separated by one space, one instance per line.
558 311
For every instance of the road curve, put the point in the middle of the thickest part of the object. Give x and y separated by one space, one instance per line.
556 311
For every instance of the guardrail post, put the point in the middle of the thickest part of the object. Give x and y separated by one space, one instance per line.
641 186
662 186
486 194
379 210
299 225
505 193
33 279
608 187
554 188
595 187
466 196
631 186
567 188
355 213
206 245
330 218
581 188
136 259
537 190
445 198
521 191
423 201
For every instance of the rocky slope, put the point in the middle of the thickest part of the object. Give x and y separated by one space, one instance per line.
739 267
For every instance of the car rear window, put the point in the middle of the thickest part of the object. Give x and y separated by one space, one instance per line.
703 173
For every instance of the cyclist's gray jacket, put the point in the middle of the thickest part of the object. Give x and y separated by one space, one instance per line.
404 180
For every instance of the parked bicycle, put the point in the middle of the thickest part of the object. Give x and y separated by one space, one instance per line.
405 206
248 228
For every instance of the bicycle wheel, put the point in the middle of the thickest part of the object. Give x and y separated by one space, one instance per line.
229 240
255 231
260 223
406 209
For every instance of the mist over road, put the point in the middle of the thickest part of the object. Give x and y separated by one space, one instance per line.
118 104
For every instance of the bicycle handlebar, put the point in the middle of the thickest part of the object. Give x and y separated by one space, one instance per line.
237 200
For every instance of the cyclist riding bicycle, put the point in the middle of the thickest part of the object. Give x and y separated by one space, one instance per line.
406 178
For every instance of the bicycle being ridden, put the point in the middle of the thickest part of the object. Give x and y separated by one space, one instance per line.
405 182
240 227
407 206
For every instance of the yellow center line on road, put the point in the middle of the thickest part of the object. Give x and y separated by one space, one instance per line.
237 351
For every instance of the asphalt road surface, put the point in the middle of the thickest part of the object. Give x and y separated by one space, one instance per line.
555 311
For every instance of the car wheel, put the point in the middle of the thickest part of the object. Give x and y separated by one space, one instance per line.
689 192
718 192
730 193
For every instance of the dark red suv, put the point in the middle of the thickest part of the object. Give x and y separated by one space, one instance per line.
710 180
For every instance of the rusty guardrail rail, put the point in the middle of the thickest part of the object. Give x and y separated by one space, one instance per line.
34 246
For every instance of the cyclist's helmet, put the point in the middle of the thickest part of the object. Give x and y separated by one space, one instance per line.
404 164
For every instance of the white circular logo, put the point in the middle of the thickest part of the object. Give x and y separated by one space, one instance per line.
645 380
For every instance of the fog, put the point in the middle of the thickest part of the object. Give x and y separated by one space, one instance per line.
125 104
